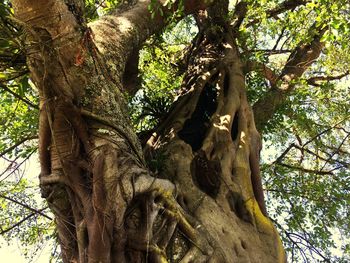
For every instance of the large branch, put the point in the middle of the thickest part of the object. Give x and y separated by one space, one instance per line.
128 30
54 35
283 7
113 40
298 62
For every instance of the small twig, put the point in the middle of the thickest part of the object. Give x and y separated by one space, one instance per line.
314 80
326 130
17 96
279 159
17 166
12 165
20 222
279 38
336 151
306 170
17 144
26 206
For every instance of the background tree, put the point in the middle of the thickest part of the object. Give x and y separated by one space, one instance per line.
195 190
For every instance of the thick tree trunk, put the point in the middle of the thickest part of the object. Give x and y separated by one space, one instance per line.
205 205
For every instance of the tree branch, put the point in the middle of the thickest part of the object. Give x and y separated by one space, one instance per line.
320 157
314 81
130 29
13 59
279 38
303 56
26 206
271 51
268 73
19 222
239 14
283 7
16 167
17 144
326 130
336 151
17 96
285 152
305 169
298 62
328 160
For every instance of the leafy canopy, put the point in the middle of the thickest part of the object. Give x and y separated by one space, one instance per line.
305 157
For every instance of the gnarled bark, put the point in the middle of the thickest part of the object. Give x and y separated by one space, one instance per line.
207 205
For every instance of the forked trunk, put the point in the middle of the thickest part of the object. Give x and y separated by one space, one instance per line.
206 203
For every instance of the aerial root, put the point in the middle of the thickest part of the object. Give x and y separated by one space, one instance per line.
154 234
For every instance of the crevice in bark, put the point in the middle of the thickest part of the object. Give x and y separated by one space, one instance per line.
76 7
206 174
196 127
238 206
130 79
234 128
226 84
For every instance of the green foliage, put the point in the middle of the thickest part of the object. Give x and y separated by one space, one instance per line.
171 9
257 86
19 223
18 98
309 184
310 206
96 8
160 77
306 156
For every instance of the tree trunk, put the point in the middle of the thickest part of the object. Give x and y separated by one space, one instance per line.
206 204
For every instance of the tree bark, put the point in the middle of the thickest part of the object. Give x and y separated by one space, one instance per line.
206 204
298 62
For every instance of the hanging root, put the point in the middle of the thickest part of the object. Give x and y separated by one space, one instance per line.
152 223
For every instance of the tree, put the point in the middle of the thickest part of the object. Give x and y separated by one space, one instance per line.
189 189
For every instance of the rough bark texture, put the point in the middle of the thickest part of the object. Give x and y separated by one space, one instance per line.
206 204
298 62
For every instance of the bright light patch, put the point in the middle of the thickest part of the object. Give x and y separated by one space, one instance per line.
125 25
243 136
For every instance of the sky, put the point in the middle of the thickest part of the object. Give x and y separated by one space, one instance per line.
13 252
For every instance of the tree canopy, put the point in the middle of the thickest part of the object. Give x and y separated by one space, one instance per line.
296 57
